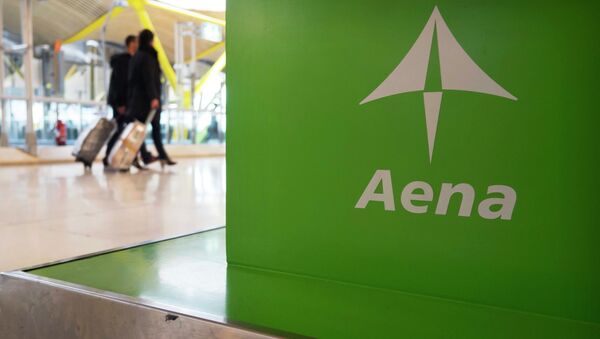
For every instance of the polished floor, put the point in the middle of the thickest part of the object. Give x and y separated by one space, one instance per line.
55 212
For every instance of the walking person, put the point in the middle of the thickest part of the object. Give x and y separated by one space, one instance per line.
118 92
145 93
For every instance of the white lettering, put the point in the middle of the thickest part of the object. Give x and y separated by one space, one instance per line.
466 204
409 195
417 195
387 195
506 203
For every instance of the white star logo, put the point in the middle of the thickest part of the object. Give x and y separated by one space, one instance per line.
458 72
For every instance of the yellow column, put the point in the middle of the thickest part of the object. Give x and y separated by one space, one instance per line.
187 99
208 51
187 95
217 67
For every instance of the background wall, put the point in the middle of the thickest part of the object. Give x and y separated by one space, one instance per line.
301 149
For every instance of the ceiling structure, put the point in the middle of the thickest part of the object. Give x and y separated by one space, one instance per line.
61 19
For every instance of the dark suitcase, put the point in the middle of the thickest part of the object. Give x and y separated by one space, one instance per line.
91 141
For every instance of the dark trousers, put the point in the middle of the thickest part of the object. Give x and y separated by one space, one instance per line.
157 138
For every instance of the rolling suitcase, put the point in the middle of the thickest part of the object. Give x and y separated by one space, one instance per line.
91 141
126 148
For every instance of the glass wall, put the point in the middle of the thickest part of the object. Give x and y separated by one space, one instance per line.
177 126
77 98
193 127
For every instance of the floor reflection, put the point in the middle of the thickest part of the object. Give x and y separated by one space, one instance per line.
55 212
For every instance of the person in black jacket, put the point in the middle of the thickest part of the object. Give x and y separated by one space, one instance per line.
145 93
117 91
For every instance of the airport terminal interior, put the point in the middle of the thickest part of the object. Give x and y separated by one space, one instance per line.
299 169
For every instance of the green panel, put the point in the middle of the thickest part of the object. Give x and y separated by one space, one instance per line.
191 273
327 309
301 150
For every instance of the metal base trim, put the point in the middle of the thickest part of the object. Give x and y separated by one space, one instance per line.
35 307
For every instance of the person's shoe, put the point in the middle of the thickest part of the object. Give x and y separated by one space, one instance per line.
139 166
167 162
150 160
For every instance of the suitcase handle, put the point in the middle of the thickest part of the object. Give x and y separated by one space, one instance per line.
150 116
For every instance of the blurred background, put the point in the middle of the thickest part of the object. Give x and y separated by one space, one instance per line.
64 77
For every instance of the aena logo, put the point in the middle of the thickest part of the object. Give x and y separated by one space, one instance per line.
458 73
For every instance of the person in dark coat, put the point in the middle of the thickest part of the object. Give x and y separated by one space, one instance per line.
117 90
145 93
